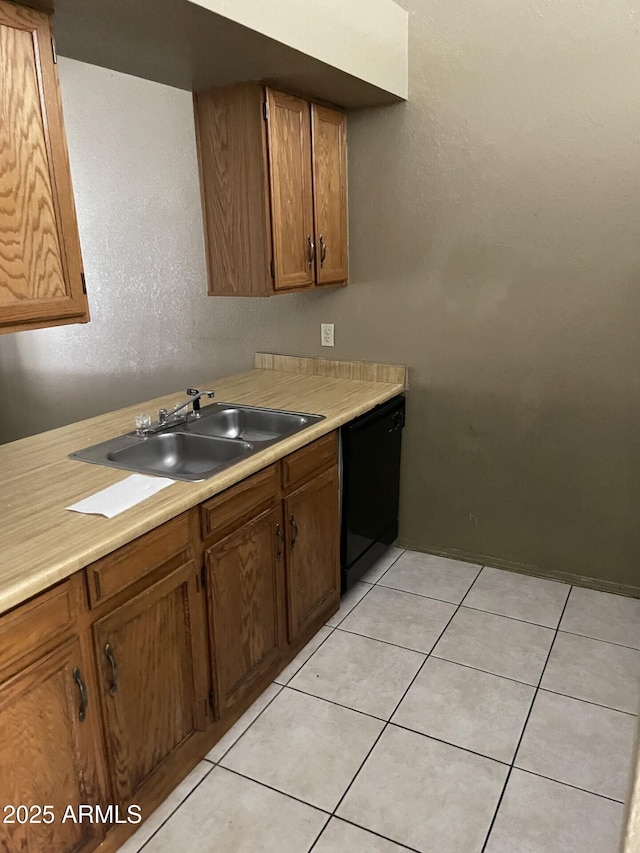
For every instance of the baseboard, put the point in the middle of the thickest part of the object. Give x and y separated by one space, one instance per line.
527 569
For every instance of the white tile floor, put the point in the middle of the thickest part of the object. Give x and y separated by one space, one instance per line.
447 708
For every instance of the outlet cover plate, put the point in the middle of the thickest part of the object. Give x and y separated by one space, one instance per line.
326 334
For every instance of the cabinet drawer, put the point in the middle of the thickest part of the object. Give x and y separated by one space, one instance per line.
299 466
234 506
132 562
38 622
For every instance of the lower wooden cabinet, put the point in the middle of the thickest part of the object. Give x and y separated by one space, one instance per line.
246 605
312 546
145 653
49 757
106 679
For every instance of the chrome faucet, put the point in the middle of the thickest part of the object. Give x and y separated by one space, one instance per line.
164 416
144 426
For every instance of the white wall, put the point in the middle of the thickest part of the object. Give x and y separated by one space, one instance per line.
364 38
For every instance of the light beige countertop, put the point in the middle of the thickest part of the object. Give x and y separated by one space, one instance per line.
42 543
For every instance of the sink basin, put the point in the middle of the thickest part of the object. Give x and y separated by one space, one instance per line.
247 423
197 449
176 454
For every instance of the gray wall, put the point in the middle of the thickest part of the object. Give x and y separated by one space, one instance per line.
494 224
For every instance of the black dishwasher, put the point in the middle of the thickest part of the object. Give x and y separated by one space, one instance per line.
371 446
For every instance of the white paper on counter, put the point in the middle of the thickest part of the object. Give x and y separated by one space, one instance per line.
115 499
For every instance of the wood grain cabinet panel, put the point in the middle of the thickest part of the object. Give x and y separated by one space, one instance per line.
49 754
273 182
302 465
246 605
289 135
329 132
312 550
41 280
151 699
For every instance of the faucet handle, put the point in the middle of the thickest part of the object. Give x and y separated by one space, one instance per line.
143 423
193 392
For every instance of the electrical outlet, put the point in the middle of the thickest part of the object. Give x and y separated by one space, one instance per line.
326 334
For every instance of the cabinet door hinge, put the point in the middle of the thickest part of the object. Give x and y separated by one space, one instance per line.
84 283
272 269
212 700
203 577
54 52
265 110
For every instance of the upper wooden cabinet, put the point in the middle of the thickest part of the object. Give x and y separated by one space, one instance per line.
41 278
274 191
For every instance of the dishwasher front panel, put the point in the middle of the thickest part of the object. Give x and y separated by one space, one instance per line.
371 449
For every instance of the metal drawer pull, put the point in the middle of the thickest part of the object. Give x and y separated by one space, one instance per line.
280 542
323 251
295 530
113 687
312 250
84 698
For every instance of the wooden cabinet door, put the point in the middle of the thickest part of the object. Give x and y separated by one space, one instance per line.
41 281
329 135
289 144
49 754
246 604
149 687
313 566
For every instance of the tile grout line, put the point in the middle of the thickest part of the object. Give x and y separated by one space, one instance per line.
335 704
257 717
600 640
448 743
371 586
364 829
320 834
569 785
385 571
588 702
285 683
387 642
513 618
524 728
282 687
278 791
180 804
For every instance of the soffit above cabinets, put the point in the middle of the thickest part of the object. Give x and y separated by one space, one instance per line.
353 53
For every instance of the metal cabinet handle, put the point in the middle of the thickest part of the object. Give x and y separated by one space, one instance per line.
280 547
295 530
113 687
312 250
84 696
323 251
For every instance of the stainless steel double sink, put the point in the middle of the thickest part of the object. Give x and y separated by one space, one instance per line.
196 448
